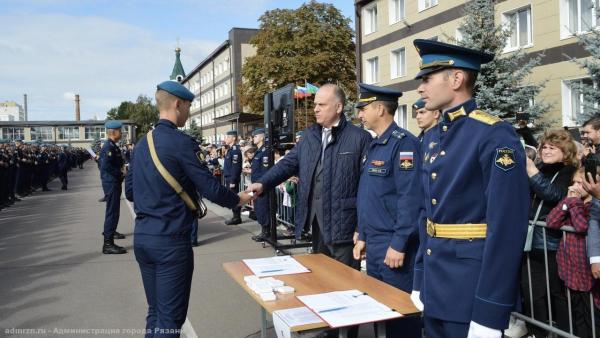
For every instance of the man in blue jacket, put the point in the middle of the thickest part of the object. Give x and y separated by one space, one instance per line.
476 203
328 162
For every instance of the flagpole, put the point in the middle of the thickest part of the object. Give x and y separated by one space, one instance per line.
305 109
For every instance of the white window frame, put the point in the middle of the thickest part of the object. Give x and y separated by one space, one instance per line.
394 55
529 24
569 117
565 18
401 116
372 75
397 10
427 4
459 34
370 19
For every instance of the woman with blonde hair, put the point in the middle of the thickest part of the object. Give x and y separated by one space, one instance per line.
549 181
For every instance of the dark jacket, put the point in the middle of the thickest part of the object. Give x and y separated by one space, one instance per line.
551 194
341 172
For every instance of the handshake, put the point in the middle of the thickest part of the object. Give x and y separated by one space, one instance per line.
250 193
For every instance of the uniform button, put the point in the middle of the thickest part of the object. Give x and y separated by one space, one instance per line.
428 252
433 176
433 201
443 153
445 128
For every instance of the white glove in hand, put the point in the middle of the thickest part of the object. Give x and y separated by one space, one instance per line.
480 331
414 297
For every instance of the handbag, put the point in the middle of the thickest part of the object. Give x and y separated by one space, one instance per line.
531 225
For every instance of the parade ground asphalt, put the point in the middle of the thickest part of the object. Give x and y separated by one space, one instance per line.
55 281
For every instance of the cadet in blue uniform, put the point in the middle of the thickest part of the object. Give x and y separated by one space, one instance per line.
232 170
476 200
425 119
111 174
163 221
259 166
63 168
389 200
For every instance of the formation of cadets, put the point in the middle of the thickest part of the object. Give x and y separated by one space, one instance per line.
25 168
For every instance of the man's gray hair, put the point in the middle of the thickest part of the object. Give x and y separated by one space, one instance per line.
337 92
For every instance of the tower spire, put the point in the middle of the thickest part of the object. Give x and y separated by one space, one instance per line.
178 73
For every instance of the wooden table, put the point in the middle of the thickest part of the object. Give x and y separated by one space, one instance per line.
326 275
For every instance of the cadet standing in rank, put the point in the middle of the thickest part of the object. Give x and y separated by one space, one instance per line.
476 201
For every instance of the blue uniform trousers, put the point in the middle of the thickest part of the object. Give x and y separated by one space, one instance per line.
112 193
437 328
167 265
237 211
195 231
401 278
261 207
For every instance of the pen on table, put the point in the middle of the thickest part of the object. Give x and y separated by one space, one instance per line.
267 271
333 309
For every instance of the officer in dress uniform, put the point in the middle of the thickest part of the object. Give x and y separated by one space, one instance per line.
232 170
163 221
389 200
476 201
111 174
426 119
259 166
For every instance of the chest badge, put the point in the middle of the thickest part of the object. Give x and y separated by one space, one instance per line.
364 159
432 145
110 153
406 160
377 163
200 156
505 159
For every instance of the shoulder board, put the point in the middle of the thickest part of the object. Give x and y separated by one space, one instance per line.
398 134
484 117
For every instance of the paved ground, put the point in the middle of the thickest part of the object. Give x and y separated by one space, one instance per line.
53 275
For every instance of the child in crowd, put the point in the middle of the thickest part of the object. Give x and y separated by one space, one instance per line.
573 265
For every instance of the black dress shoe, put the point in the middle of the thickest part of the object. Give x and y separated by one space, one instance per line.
46 189
110 248
234 221
195 244
63 188
263 236
118 235
103 199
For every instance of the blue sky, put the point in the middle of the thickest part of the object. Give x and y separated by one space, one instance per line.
109 51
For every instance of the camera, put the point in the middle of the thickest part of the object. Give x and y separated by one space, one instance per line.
590 164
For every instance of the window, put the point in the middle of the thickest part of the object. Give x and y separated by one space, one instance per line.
371 70
519 24
396 11
460 33
576 16
398 63
400 117
425 4
68 133
575 104
42 134
370 19
10 133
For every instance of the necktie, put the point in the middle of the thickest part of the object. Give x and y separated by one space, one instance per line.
325 141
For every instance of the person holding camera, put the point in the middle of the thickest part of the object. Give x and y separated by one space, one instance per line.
524 130
548 182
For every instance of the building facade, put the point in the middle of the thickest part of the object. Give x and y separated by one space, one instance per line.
74 133
217 108
11 111
385 31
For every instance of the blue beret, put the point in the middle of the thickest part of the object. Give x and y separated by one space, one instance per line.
370 93
177 89
113 124
231 133
258 131
419 104
437 55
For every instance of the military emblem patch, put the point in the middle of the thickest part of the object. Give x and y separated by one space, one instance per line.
377 163
505 159
109 153
265 161
378 171
406 160
432 144
200 156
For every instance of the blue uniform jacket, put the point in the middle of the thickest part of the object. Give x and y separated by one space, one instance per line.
473 172
341 173
159 209
63 162
111 163
260 164
232 168
389 194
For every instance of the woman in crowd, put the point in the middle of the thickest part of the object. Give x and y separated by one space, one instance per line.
549 181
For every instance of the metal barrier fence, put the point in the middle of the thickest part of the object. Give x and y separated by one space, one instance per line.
550 322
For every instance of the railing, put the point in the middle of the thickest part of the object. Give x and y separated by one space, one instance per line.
549 323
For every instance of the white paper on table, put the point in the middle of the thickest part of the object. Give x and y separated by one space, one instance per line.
89 150
345 308
283 320
275 266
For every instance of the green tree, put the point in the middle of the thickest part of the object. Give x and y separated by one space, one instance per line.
589 89
501 88
313 43
143 113
193 130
